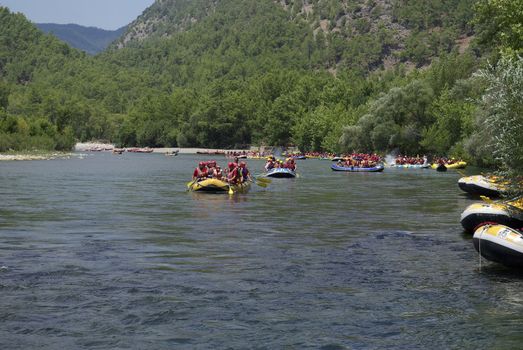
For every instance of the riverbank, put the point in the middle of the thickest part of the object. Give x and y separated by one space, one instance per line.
100 146
34 156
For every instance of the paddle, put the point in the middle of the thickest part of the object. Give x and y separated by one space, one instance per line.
231 192
190 183
261 181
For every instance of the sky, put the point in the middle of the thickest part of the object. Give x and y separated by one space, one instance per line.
105 14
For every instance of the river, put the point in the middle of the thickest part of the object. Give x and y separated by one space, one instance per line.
111 252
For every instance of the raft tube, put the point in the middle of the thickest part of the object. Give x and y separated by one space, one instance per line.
505 213
500 244
355 169
281 172
217 186
480 185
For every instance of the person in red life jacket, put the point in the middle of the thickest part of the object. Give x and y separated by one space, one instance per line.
200 172
270 164
217 174
211 164
233 175
291 164
245 173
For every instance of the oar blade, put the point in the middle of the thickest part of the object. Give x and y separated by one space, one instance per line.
264 180
262 184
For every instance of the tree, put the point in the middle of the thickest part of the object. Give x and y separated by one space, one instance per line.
503 105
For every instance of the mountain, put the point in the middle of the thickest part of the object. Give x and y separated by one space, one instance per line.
89 39
363 34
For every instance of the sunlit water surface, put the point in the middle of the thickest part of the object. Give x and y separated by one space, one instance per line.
107 251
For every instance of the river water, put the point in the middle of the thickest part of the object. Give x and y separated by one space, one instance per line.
112 252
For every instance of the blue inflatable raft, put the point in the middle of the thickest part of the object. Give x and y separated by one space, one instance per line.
281 172
356 169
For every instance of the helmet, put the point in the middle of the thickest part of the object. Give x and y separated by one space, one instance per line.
242 164
201 164
230 165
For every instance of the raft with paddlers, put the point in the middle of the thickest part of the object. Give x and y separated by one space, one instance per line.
356 169
500 244
480 185
281 173
411 166
509 213
456 165
215 185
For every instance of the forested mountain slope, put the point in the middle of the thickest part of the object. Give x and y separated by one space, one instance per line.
89 39
52 94
361 34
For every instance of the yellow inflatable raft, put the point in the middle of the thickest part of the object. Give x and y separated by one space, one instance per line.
215 185
480 185
457 165
500 244
509 213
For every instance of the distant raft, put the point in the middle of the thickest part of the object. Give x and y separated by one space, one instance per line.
281 173
500 244
508 213
356 169
217 186
457 165
480 185
411 166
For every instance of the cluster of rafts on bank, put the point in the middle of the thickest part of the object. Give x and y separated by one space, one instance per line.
497 225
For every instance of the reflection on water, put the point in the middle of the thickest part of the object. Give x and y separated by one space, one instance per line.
114 252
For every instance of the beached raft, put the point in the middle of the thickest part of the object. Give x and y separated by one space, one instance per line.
356 169
217 186
508 213
480 185
281 173
500 244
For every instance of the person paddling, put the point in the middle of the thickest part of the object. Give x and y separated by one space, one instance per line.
200 172
245 173
218 174
233 176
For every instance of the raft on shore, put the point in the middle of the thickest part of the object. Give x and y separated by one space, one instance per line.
480 185
218 186
500 244
508 213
